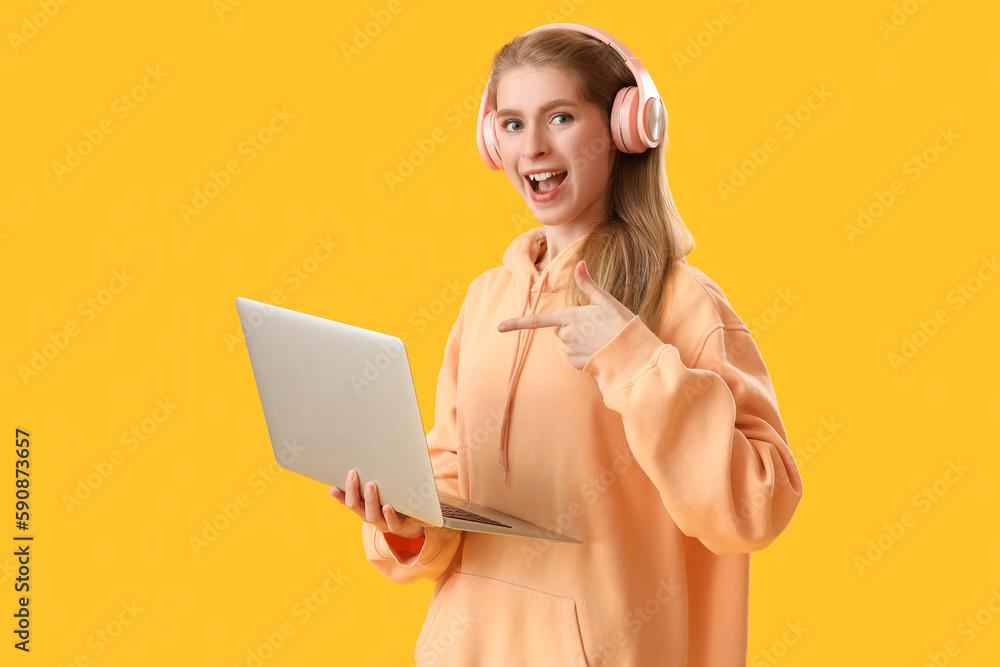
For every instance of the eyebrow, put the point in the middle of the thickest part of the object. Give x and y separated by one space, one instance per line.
546 107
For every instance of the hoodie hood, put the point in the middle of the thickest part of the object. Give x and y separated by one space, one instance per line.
519 259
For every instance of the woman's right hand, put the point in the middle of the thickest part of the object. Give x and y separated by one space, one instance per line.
384 518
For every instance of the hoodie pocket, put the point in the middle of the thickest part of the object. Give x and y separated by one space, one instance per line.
476 620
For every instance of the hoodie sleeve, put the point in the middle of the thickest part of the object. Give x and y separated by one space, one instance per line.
407 560
709 437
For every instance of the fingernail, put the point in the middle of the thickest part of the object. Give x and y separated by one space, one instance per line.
353 475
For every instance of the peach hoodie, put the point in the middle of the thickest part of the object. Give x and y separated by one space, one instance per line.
665 455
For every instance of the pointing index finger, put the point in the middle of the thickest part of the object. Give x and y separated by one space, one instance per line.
535 321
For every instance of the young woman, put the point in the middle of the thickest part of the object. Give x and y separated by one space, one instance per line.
596 384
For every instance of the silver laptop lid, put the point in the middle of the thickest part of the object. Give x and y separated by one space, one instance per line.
337 397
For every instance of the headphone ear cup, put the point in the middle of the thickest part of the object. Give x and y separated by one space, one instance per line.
625 121
616 134
489 148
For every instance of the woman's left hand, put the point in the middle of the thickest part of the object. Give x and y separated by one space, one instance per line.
582 329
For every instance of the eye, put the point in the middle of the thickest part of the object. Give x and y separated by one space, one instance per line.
506 124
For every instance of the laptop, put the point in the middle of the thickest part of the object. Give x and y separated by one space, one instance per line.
338 397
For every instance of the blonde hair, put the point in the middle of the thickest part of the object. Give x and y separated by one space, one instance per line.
632 252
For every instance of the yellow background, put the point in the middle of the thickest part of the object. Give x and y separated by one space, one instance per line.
168 333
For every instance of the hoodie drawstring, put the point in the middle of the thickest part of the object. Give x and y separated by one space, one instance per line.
520 354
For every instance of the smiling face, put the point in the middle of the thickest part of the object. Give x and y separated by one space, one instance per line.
544 125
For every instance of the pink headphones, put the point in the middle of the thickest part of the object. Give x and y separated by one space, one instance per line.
638 117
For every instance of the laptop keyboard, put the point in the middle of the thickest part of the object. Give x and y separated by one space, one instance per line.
453 512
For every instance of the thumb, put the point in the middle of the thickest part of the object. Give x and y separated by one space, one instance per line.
587 284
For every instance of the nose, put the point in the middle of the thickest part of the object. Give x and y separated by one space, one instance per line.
535 141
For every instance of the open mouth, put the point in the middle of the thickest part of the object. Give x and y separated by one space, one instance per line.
546 184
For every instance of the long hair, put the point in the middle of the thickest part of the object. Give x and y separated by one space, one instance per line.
632 252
